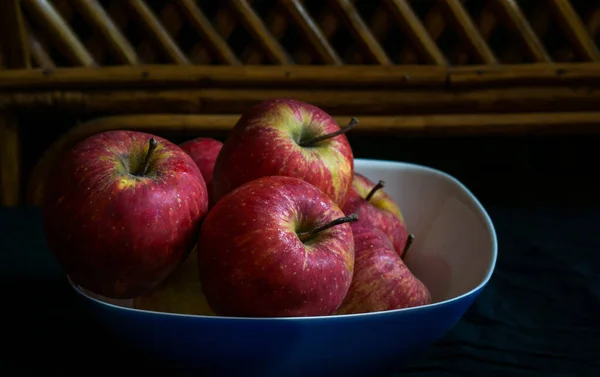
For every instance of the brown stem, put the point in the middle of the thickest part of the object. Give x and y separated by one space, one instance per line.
346 219
375 188
409 242
152 144
310 142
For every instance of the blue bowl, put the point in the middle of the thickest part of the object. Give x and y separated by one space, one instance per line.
454 254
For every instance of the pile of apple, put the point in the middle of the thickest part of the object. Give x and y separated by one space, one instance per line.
274 222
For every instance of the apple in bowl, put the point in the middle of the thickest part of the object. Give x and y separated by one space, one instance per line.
453 255
286 137
204 151
122 210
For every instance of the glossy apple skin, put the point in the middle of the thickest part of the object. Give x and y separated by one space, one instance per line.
204 152
382 281
180 293
380 212
253 264
264 142
118 234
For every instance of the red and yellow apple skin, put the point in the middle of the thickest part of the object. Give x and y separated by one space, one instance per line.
380 211
204 152
116 230
266 141
382 281
253 263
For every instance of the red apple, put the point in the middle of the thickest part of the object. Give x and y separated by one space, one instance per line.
376 208
288 138
204 152
122 210
276 247
382 281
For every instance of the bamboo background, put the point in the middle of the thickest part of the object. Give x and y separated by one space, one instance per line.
86 33
190 67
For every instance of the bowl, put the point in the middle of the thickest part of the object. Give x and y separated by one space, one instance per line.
454 254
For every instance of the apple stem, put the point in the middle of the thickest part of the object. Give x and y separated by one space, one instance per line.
346 219
152 144
307 143
375 188
409 242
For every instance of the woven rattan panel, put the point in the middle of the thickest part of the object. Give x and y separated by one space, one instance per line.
68 33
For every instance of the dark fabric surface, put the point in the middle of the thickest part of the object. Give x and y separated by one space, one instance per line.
538 316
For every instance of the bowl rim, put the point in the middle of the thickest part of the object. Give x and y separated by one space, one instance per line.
489 226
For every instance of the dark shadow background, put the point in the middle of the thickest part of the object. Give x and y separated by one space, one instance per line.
527 170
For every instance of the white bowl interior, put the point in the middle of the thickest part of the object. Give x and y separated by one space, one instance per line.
454 251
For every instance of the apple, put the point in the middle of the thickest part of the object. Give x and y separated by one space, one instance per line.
276 246
376 208
291 138
382 281
122 210
180 293
204 152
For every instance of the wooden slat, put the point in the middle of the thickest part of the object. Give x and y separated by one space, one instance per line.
10 158
153 25
293 76
464 25
313 33
512 12
576 31
419 36
359 101
358 27
256 27
380 23
351 77
39 53
434 24
96 15
60 32
38 50
215 42
277 24
15 45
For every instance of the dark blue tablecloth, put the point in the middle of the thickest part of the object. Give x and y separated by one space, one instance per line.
539 315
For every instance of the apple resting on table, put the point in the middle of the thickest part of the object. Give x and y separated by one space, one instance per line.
276 247
376 208
180 293
122 210
204 152
288 138
382 281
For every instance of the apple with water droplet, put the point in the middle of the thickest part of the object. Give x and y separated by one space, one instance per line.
121 211
382 281
276 246
376 208
291 138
